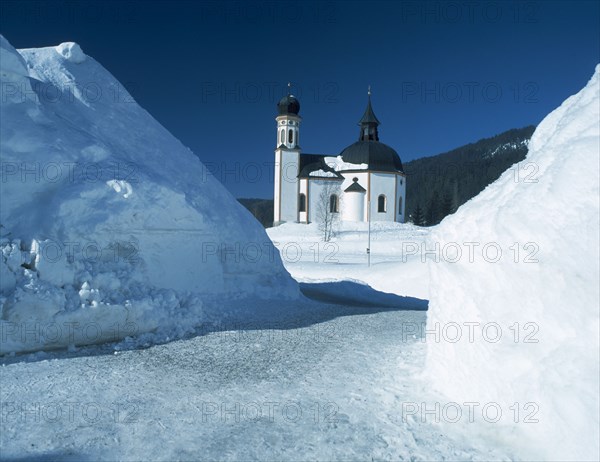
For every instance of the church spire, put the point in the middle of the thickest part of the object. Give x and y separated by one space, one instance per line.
368 123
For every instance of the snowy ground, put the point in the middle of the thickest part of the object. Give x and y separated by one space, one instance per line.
303 392
308 258
316 381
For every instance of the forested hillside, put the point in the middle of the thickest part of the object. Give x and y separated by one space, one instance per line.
438 185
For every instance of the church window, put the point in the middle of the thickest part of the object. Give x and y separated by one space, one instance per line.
381 203
333 203
290 136
282 136
400 206
302 203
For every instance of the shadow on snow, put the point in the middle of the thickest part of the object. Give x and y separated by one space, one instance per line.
321 302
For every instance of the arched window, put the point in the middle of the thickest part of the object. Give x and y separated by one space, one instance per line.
282 138
290 136
381 203
400 206
302 203
333 203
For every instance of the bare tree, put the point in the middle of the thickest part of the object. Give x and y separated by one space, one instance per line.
328 209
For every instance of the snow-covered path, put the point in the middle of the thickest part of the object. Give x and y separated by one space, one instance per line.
329 386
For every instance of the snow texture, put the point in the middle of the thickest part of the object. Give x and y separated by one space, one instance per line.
546 209
106 217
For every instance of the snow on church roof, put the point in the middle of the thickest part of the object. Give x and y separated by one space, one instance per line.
323 166
338 164
323 174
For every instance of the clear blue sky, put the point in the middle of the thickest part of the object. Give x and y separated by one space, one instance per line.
443 74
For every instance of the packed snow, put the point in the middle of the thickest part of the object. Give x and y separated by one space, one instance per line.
330 384
106 219
521 273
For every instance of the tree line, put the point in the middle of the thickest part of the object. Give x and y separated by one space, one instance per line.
436 186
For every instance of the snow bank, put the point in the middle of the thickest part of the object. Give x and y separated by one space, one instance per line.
534 350
106 219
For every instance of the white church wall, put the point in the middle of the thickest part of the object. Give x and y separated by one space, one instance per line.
276 183
383 183
353 206
303 216
314 191
289 185
315 187
363 180
400 193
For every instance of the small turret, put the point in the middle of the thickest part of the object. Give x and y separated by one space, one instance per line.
368 123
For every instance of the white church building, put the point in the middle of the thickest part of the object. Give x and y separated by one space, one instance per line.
364 182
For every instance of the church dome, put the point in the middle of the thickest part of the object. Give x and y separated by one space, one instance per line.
376 155
288 105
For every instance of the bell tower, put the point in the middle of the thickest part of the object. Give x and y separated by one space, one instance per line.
288 121
368 123
287 160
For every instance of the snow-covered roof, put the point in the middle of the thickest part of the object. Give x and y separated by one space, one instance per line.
338 164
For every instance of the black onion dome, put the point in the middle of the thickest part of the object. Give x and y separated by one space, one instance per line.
376 155
288 105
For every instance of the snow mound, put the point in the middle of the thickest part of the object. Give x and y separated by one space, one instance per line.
107 222
530 291
71 51
12 61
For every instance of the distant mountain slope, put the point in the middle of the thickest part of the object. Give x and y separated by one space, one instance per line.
438 185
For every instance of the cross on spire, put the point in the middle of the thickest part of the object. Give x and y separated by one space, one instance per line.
289 87
369 90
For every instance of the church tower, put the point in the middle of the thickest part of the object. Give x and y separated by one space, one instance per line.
368 123
287 160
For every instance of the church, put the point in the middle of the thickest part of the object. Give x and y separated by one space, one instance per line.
364 182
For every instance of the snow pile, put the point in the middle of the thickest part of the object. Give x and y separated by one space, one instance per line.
526 300
109 225
71 52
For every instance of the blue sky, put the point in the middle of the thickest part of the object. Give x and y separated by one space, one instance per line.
443 74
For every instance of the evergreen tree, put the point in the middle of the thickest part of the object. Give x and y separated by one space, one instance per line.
447 207
464 172
417 216
433 210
